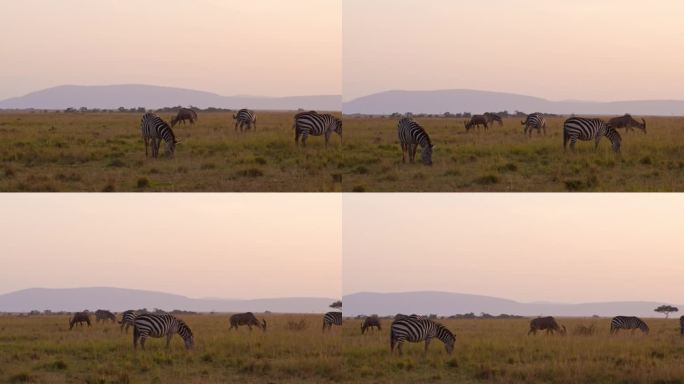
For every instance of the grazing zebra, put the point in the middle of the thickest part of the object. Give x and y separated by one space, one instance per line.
475 122
534 121
245 117
316 124
401 316
153 325
247 319
416 330
80 318
578 128
492 118
154 130
681 326
330 319
547 324
183 115
370 322
627 122
411 134
127 320
102 315
627 322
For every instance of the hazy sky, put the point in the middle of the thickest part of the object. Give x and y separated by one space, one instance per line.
199 245
527 247
256 47
558 49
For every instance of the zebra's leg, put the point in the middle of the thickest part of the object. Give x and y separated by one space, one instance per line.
400 344
168 340
146 140
597 141
327 139
304 137
403 152
573 141
427 345
414 148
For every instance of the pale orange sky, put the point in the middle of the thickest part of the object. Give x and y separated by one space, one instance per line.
239 246
257 47
525 247
599 50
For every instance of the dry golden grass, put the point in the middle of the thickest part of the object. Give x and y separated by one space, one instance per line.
503 159
41 349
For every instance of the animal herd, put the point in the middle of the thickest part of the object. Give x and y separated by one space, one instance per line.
158 325
310 123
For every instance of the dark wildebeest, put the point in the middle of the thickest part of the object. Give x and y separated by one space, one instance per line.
80 318
103 315
247 319
627 122
547 324
681 326
369 322
475 122
184 114
492 118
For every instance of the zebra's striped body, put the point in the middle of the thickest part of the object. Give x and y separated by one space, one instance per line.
127 320
411 134
330 319
475 122
247 319
153 325
415 330
183 115
154 130
534 121
578 128
245 117
627 322
102 315
627 122
491 118
315 124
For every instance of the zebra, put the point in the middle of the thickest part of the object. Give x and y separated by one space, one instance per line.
492 118
534 121
411 134
627 322
103 315
547 324
315 124
475 122
154 325
247 319
370 322
80 318
183 115
127 320
154 130
415 330
401 316
245 117
330 319
578 128
627 122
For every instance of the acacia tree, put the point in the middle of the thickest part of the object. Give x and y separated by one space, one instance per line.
336 305
666 309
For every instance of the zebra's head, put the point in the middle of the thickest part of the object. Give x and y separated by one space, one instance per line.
615 139
338 126
263 325
426 154
447 338
170 148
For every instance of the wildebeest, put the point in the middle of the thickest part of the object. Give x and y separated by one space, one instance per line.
183 115
247 319
627 122
80 318
104 315
492 118
370 322
547 324
476 121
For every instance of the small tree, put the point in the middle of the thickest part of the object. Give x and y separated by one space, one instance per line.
666 309
336 305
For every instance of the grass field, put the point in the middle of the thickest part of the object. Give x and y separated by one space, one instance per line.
500 351
105 152
41 349
503 159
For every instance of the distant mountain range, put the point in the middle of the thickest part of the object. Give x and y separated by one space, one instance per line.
445 303
152 97
117 299
463 100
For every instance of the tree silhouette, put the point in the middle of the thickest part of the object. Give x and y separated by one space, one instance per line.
666 309
336 305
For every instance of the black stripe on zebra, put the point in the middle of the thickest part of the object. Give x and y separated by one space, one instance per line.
579 128
245 117
411 134
154 130
415 330
627 322
330 319
534 121
154 325
315 124
127 319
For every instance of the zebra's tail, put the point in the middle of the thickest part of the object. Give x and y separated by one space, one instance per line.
566 137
